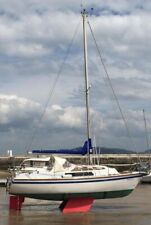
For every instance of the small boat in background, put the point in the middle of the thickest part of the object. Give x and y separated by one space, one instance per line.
146 179
3 182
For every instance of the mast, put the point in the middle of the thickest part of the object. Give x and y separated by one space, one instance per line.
87 87
146 133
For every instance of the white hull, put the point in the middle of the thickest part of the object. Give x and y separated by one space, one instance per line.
60 189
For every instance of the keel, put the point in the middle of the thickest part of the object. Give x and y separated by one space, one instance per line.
76 205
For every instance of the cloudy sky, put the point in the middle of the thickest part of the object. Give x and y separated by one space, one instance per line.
36 37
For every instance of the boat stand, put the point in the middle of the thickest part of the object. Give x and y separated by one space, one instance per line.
73 205
15 202
76 205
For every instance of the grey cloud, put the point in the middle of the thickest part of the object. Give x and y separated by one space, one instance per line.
34 36
20 118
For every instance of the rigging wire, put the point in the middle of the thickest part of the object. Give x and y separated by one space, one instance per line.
28 146
111 86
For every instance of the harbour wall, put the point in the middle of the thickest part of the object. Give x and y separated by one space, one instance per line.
116 160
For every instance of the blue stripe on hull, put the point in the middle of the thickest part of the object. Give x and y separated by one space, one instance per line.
66 181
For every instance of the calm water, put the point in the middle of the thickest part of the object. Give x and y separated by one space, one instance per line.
132 210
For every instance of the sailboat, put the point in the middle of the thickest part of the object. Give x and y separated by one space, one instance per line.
75 185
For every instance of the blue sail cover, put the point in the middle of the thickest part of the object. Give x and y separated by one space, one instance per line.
87 147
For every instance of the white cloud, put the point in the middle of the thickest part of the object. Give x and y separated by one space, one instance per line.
16 112
22 116
72 117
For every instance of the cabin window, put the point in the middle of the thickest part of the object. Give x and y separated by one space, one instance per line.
39 163
80 174
47 163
